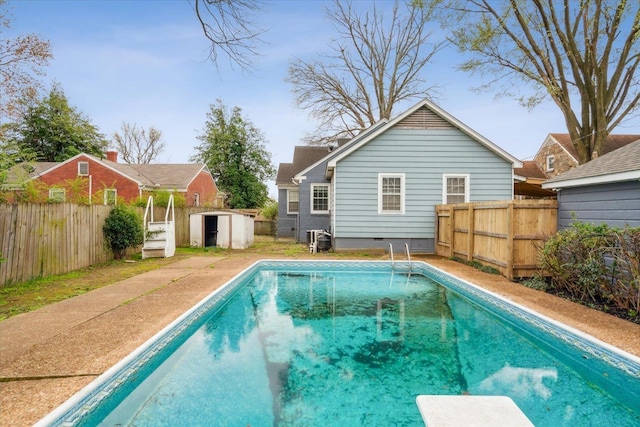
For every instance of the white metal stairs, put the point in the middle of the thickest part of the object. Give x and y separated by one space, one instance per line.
160 236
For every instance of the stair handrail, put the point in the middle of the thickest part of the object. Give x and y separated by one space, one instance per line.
169 206
393 263
146 212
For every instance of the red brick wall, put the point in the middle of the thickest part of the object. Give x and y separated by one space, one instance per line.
204 185
102 177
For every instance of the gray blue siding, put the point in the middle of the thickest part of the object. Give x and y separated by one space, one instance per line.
423 156
615 204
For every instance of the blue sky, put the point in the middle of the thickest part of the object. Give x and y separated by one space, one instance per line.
144 62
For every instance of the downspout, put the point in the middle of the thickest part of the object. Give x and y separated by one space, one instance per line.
297 184
90 188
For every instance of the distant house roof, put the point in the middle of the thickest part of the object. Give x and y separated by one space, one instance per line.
303 157
612 143
166 176
530 169
622 164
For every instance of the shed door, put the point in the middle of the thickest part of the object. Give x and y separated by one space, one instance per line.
210 230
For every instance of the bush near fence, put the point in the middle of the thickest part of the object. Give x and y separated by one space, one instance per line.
596 264
40 239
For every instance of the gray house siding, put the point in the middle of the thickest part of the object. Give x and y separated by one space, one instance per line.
616 204
423 156
287 224
308 220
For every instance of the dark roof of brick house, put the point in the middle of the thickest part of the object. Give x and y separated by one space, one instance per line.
530 169
612 143
165 176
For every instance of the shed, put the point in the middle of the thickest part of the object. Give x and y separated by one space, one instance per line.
223 229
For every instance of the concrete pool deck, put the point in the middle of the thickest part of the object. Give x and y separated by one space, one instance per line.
49 354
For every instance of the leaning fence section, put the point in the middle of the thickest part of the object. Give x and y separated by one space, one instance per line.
505 235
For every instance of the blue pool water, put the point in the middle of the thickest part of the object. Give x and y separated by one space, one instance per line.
351 344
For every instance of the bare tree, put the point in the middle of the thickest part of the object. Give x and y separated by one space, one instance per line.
21 63
229 27
584 55
137 146
376 62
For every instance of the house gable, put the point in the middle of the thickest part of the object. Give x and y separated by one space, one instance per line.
426 116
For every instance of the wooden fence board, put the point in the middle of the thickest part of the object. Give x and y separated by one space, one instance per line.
48 239
505 235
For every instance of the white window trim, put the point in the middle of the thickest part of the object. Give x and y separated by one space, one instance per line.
553 159
467 185
80 173
402 193
288 204
53 194
196 199
311 191
106 192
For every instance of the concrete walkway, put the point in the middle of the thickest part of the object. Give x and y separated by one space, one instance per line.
49 354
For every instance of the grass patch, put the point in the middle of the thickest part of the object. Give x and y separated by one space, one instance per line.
17 298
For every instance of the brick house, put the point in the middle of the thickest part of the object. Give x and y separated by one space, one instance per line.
88 178
557 154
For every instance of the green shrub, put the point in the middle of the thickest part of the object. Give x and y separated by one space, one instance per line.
270 211
595 263
122 230
537 282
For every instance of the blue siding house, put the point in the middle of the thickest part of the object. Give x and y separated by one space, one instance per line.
605 190
382 186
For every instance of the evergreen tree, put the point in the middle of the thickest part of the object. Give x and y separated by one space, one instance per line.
54 131
233 149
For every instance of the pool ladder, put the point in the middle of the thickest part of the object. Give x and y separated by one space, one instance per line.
408 253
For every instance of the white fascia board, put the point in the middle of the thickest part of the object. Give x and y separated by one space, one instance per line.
591 180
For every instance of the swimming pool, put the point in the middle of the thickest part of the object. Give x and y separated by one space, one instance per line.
290 323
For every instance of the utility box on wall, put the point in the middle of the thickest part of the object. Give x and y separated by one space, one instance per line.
223 229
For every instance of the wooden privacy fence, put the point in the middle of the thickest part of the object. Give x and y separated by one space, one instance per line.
505 235
47 239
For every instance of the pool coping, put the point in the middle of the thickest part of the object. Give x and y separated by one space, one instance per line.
91 395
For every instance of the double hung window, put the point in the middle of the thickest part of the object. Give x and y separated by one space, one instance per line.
320 198
391 193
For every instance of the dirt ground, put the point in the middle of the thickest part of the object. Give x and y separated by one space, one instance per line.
49 354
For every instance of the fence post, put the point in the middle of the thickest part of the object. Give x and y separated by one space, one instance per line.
452 227
470 230
510 241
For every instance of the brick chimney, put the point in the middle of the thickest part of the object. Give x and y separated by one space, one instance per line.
112 156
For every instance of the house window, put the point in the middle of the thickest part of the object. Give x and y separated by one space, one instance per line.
293 201
57 195
455 189
83 168
110 196
390 193
550 162
319 198
196 199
